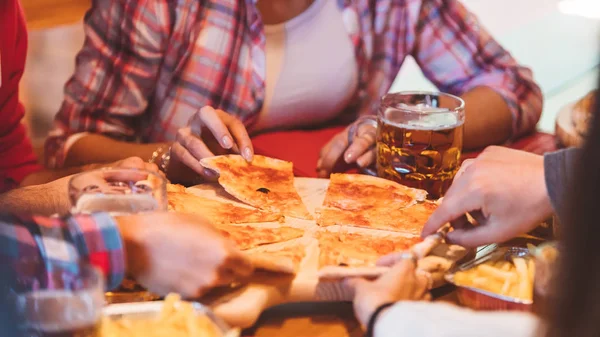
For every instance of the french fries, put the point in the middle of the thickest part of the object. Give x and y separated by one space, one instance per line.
509 278
177 319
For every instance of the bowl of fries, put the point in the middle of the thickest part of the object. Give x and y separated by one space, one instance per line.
499 280
171 317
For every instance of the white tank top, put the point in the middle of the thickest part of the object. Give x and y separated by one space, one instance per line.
311 69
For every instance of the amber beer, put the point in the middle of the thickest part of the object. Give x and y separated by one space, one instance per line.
420 145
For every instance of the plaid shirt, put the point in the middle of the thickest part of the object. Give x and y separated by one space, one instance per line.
66 242
148 65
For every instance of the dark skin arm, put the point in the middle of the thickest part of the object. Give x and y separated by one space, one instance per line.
488 119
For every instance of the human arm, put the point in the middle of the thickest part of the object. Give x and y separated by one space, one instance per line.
392 303
504 190
459 56
67 241
52 197
157 249
115 74
447 320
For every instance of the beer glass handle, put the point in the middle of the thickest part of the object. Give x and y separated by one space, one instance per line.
353 133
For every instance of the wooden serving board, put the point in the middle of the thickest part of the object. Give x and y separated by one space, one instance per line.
241 305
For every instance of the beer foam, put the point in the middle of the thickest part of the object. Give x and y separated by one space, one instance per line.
428 122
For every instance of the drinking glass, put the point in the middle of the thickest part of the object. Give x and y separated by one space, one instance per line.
419 139
53 300
120 192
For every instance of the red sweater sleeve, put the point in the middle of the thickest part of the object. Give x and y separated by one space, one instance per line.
17 159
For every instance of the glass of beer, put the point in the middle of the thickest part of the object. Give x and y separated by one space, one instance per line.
54 300
120 191
419 139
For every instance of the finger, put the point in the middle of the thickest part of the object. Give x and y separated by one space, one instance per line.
465 164
367 158
331 153
186 158
131 162
242 139
194 145
455 204
478 236
393 258
210 118
400 272
359 146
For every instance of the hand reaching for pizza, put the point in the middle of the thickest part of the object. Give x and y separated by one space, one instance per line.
176 252
503 189
401 283
356 144
210 132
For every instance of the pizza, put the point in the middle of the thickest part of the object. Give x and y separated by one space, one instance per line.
285 259
266 183
217 212
371 202
358 249
408 220
358 192
246 237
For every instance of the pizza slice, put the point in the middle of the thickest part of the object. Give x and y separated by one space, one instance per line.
358 249
266 183
285 259
218 212
358 192
408 220
247 237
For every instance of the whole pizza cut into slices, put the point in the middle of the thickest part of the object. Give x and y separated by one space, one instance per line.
247 237
375 203
281 259
266 183
216 211
358 249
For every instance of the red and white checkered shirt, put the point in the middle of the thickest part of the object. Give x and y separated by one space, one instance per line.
148 65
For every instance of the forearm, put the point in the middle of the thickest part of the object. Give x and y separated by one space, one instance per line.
94 238
445 320
94 148
488 119
44 199
46 176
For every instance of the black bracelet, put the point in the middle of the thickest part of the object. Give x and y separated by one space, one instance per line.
373 319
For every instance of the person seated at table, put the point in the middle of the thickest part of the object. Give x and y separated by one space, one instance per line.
509 193
203 76
18 163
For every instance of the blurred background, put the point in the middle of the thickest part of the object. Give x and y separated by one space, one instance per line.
558 39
